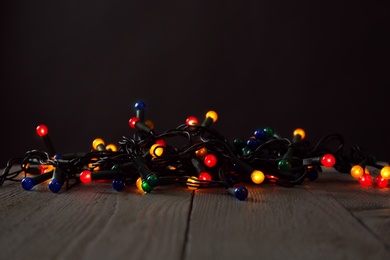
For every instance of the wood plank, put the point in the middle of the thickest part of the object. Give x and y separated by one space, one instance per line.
370 205
93 222
275 223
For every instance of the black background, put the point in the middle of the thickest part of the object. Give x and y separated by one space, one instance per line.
80 66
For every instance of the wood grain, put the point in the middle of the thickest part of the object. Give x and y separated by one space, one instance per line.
276 223
93 222
330 218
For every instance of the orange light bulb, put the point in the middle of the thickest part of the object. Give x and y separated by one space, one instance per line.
201 153
111 147
213 115
300 132
138 183
357 171
257 176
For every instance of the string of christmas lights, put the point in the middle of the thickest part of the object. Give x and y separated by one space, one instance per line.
202 158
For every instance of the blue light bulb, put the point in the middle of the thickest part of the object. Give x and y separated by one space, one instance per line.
240 192
260 134
118 184
28 183
55 185
140 105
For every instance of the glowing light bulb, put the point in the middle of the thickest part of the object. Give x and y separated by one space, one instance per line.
328 160
47 168
191 120
257 176
385 172
365 180
240 192
192 183
135 122
98 144
111 147
161 142
211 117
201 153
85 176
43 132
381 182
357 171
156 150
210 160
300 133
138 183
205 176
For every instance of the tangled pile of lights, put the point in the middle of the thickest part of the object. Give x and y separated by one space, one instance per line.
195 155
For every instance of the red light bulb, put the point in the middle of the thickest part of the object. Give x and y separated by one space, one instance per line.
365 180
204 176
381 182
42 130
191 120
210 160
85 176
133 121
161 142
328 160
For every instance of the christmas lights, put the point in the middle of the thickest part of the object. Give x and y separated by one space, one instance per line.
204 160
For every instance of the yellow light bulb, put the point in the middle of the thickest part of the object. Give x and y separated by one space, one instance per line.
138 183
97 142
192 183
357 171
300 131
156 150
213 115
385 172
257 176
111 147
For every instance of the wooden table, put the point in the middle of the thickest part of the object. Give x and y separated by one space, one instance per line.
331 218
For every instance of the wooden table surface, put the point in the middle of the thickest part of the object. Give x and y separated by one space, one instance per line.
331 218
